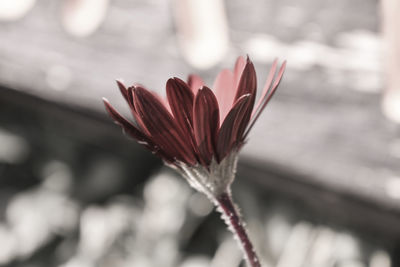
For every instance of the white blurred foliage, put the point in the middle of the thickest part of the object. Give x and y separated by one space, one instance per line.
35 216
57 177
197 262
163 216
228 254
13 149
322 254
135 233
199 204
8 244
296 247
154 231
346 246
277 231
380 258
100 227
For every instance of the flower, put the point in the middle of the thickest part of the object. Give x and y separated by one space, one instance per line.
195 130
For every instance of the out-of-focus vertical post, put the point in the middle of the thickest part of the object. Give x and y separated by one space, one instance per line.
391 34
12 10
202 31
83 17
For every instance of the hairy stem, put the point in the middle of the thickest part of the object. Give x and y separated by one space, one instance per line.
233 220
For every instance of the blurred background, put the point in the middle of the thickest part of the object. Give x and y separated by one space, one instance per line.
318 181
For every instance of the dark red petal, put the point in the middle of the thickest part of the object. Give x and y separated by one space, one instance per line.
229 134
138 120
128 127
180 99
248 81
266 97
130 98
163 129
128 95
247 85
206 122
136 133
123 90
195 83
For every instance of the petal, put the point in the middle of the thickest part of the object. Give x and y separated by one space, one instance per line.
248 81
180 99
267 86
225 91
239 67
206 122
138 119
229 133
163 129
130 98
267 94
123 90
126 93
247 85
128 127
195 83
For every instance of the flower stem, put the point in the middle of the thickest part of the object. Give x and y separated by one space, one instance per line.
233 220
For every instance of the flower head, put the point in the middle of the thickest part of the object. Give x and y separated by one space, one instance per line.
196 130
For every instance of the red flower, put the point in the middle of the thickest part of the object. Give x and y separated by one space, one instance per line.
196 126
